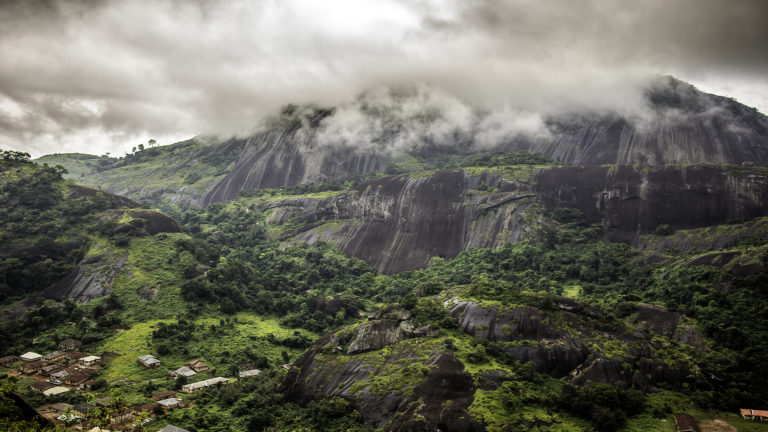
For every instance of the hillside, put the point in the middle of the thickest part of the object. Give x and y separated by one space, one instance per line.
521 287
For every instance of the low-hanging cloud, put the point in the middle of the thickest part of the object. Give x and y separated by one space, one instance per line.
96 76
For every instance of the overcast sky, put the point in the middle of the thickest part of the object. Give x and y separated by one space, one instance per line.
104 76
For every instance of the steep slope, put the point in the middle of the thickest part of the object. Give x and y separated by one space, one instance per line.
398 223
680 125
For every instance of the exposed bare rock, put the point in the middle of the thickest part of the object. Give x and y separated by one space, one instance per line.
90 279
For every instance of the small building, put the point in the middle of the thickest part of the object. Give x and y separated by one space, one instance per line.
70 344
287 366
41 386
170 404
149 361
31 367
60 407
172 428
79 376
52 357
90 360
685 423
50 369
249 373
9 360
202 385
30 356
183 371
163 395
198 366
71 357
753 414
53 391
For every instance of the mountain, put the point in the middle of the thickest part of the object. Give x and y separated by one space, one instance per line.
680 126
600 274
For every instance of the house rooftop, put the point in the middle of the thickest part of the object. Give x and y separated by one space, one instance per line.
61 407
172 428
163 395
169 402
30 356
55 390
185 371
249 373
90 358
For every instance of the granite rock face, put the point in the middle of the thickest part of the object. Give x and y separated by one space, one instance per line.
398 223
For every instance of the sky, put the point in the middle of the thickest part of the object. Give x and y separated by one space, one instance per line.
104 76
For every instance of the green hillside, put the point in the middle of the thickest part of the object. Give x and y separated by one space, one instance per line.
224 286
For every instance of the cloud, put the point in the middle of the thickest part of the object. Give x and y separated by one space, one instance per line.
96 76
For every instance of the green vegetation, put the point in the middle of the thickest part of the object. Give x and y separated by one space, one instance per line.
227 291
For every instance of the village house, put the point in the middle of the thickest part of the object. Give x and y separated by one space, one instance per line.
172 428
249 373
90 360
198 366
32 367
70 344
52 357
59 376
8 360
41 386
71 357
170 404
202 385
53 391
752 414
163 395
149 361
50 369
183 371
60 407
287 366
30 356
79 376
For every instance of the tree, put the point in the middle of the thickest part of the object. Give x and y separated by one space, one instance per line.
152 142
141 147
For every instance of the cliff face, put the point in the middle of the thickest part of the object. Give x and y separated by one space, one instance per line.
630 201
278 158
398 223
681 126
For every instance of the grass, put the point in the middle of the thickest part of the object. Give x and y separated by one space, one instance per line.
213 347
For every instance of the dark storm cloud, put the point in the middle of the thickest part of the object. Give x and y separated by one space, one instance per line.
105 75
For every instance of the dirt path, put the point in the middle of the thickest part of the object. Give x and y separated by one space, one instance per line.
716 425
